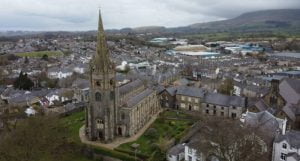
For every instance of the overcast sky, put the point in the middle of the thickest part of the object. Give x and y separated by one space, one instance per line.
83 14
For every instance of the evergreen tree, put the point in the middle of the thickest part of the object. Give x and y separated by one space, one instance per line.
23 82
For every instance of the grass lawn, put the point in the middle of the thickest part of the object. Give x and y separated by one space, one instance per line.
74 122
39 54
163 130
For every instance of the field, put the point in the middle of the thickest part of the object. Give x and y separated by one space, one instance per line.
39 54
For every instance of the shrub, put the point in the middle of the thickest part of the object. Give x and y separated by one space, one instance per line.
152 133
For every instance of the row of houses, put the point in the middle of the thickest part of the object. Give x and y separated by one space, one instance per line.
207 103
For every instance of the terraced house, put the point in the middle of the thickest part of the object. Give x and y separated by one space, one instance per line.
197 99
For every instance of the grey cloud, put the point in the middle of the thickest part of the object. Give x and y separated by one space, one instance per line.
82 14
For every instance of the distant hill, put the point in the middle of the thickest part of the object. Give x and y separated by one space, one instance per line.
269 18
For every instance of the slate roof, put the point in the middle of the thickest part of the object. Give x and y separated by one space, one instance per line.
292 137
139 97
291 111
175 150
81 83
190 91
295 84
224 100
264 121
172 90
261 106
130 86
293 155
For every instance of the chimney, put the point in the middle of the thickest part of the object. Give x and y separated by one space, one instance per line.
284 126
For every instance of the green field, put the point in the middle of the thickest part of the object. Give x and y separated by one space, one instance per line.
39 54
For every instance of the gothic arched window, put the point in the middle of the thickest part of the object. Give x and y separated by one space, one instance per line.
98 96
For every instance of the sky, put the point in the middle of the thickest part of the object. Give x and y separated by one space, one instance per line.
82 15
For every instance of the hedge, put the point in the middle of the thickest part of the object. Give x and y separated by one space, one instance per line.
132 153
114 154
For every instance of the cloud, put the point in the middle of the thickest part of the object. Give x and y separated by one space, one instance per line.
82 14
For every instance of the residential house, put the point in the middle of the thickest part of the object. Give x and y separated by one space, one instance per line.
223 105
176 153
286 146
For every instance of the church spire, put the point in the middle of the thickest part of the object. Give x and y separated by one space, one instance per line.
102 61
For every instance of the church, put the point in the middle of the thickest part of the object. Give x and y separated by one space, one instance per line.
115 111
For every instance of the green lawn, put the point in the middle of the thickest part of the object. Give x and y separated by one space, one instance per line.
39 54
74 122
162 131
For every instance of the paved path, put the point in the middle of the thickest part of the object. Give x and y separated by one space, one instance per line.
118 141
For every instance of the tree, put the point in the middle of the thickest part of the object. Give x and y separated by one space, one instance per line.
227 87
48 143
23 82
45 57
228 140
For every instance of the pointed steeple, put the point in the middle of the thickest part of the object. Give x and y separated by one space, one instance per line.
102 61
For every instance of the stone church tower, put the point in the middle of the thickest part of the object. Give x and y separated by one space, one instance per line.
101 113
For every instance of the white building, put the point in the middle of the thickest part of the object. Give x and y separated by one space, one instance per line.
176 153
286 146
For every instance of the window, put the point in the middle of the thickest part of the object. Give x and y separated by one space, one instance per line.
98 83
190 150
207 105
190 99
98 96
284 146
283 156
190 158
214 106
222 108
167 105
233 107
112 95
111 82
196 100
182 105
182 98
233 115
207 111
222 113
215 112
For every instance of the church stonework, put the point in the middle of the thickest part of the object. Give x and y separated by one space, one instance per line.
107 115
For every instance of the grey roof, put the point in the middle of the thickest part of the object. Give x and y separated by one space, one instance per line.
261 105
295 84
175 150
81 83
190 91
224 100
130 86
265 122
137 98
292 137
172 90
291 111
293 155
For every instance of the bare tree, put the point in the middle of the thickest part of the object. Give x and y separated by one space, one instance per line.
228 140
